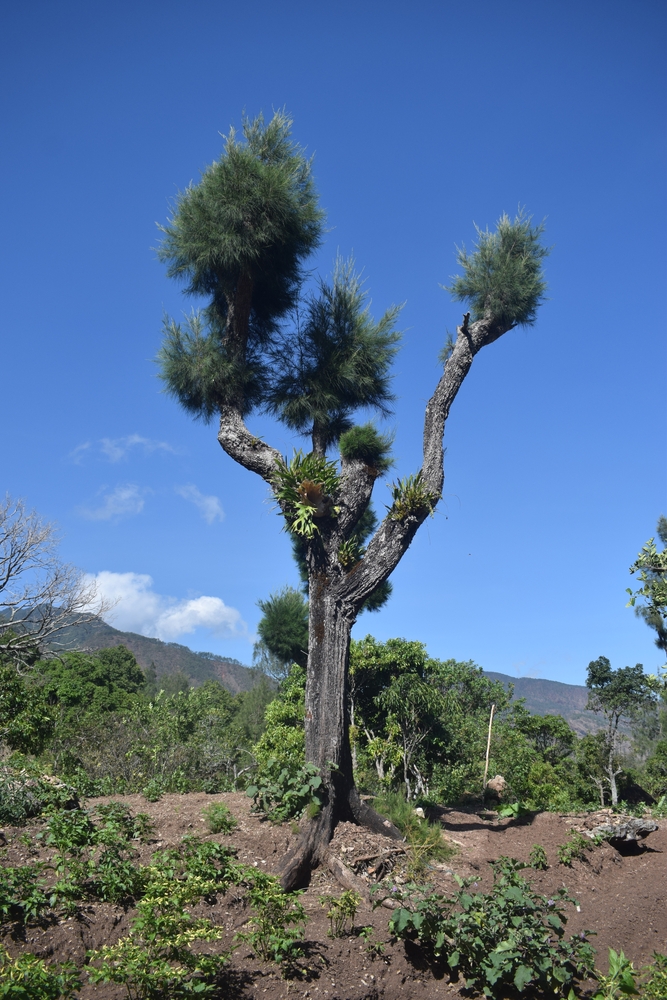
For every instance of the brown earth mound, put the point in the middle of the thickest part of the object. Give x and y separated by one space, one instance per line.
623 898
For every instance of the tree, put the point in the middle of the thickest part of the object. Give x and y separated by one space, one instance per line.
283 632
241 237
617 694
40 597
651 566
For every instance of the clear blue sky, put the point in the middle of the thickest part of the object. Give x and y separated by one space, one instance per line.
424 118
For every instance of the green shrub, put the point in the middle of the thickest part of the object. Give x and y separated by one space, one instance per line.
621 979
281 795
538 858
508 937
23 895
118 824
574 849
31 978
277 925
425 840
218 818
654 978
341 909
157 959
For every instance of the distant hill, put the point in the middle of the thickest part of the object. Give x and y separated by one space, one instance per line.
167 657
553 698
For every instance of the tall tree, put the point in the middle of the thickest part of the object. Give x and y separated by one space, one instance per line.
651 568
617 694
241 237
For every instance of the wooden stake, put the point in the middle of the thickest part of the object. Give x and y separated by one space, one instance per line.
488 747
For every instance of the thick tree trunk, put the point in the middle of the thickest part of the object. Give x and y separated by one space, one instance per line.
328 736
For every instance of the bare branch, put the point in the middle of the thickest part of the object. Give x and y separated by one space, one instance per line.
40 597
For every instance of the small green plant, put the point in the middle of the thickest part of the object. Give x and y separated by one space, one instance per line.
342 909
574 849
621 979
659 810
18 802
115 879
508 937
119 824
153 791
513 810
157 959
654 978
282 796
23 896
304 489
218 818
277 925
424 839
538 858
31 978
410 497
374 948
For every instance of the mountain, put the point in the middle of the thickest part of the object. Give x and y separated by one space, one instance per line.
166 657
553 698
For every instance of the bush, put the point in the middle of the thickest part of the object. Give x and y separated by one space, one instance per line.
281 795
31 978
341 909
508 937
23 896
218 818
425 839
277 925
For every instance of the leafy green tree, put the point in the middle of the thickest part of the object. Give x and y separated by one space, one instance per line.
283 629
616 694
241 238
651 567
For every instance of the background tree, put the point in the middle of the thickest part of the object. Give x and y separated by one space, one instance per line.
241 237
40 596
651 568
617 694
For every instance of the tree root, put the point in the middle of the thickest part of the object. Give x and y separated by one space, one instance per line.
312 846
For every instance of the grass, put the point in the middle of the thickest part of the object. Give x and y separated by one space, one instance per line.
425 839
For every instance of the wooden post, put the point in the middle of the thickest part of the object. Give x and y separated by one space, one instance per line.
488 747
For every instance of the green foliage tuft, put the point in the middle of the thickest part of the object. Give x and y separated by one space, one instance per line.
364 443
503 279
283 627
574 849
538 858
277 924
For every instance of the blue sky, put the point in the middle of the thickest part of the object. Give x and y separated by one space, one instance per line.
424 119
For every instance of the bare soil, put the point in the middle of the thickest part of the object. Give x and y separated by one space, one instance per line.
622 898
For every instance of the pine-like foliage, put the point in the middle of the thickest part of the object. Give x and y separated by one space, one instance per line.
240 237
254 212
283 627
503 278
336 362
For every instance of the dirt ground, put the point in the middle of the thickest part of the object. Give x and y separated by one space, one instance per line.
623 899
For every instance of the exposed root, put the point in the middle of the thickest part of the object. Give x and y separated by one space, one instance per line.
312 846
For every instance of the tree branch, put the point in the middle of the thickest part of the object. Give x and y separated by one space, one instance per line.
246 449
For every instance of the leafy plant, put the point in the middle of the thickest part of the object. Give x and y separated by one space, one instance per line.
654 978
621 979
513 810
510 936
18 802
286 795
342 909
22 893
119 823
373 948
277 925
304 489
31 978
156 959
538 858
115 879
218 818
410 497
574 849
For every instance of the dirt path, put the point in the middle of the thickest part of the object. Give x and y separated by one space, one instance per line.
622 898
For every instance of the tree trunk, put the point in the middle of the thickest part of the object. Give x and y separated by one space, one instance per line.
328 737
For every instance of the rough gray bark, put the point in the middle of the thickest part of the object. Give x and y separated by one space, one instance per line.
337 594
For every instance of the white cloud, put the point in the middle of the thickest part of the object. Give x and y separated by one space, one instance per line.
116 449
124 501
210 506
137 608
